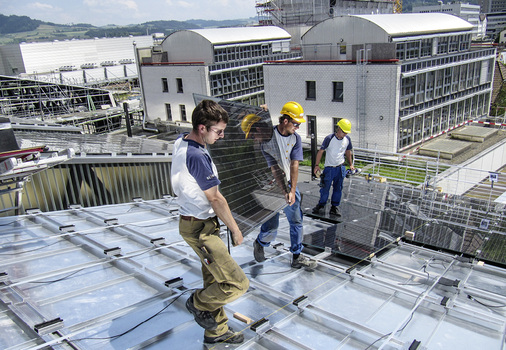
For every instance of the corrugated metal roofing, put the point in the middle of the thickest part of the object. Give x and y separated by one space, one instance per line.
417 23
242 34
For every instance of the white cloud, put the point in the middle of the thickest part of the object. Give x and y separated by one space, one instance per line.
112 4
179 4
40 6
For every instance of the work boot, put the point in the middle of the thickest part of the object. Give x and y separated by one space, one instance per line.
258 251
302 261
204 318
335 211
316 210
229 336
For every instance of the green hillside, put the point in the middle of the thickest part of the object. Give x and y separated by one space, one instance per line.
17 29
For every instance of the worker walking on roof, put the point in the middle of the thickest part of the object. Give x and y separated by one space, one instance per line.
338 147
195 181
288 148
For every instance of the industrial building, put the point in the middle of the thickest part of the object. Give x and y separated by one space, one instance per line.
220 62
400 78
74 62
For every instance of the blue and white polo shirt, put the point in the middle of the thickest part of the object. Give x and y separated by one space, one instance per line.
193 172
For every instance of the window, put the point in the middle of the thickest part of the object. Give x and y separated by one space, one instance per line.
442 45
412 49
310 90
179 83
400 51
182 110
165 85
426 49
168 111
335 120
337 91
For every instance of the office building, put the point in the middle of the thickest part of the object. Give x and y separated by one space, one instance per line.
400 78
220 62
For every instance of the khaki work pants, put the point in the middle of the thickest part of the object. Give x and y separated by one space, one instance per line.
224 280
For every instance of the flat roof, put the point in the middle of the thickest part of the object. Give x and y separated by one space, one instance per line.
417 23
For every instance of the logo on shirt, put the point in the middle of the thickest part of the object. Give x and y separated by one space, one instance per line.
212 176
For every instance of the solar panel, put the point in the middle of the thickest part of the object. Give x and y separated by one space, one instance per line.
247 182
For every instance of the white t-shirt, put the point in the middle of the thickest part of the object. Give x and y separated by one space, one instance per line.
335 149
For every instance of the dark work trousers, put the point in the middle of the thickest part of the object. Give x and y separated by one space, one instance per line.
224 280
332 176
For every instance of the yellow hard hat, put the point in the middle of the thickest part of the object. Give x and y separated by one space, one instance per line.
294 110
345 125
247 123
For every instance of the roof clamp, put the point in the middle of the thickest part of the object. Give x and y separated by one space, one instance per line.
4 277
449 282
158 241
416 345
111 222
48 326
301 302
444 301
67 228
33 211
174 283
261 326
278 246
112 251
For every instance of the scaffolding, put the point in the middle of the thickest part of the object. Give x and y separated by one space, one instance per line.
25 98
286 13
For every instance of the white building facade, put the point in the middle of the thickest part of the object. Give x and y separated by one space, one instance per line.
221 62
75 62
400 79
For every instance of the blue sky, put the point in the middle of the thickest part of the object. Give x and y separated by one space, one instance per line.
120 12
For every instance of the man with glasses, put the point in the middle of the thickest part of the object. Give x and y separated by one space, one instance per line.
195 181
290 153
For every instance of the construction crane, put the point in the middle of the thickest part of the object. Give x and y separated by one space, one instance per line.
397 6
